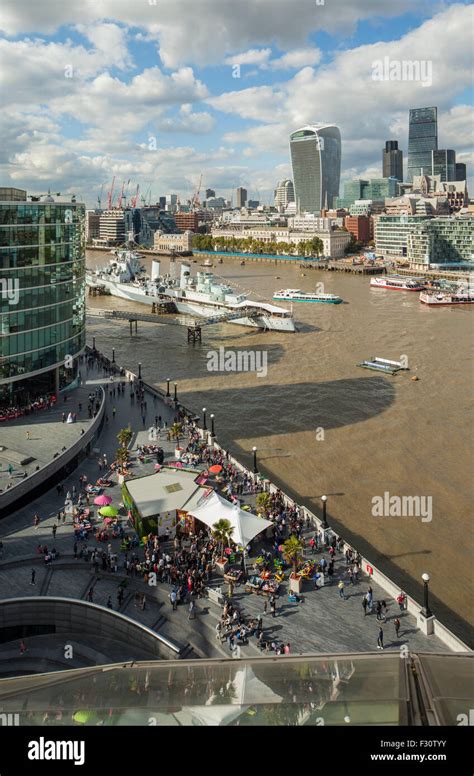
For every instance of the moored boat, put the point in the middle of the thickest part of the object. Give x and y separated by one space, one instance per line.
397 283
296 295
439 299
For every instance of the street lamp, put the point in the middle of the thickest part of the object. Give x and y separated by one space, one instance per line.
324 524
93 343
139 371
213 433
255 469
168 386
113 355
426 611
175 393
204 425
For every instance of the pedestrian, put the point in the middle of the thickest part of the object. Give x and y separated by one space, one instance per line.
54 529
380 639
364 605
28 435
109 603
23 647
174 600
36 521
113 412
341 587
396 623
273 608
33 577
401 600
192 610
287 649
90 594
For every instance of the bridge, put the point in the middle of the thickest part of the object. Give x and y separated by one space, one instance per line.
194 325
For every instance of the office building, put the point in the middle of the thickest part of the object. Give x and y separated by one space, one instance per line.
112 230
315 152
392 160
443 163
253 204
442 241
391 234
422 140
461 172
42 295
241 197
284 194
187 221
359 226
374 189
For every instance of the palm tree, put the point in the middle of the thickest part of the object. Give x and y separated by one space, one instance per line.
125 436
293 552
264 502
176 432
222 531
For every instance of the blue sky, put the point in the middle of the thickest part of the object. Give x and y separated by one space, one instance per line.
146 92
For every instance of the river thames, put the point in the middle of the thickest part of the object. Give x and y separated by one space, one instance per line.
324 426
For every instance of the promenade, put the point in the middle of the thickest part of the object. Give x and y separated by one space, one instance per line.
323 623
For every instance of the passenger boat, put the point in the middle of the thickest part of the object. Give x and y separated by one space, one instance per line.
296 295
397 283
383 365
447 297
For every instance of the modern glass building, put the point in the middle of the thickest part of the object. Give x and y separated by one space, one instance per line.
392 160
444 240
42 296
422 140
461 172
443 163
391 235
374 189
315 152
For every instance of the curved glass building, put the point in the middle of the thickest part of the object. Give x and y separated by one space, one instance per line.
316 161
42 295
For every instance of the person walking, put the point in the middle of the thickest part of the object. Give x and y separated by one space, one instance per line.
113 412
380 638
265 606
36 521
364 605
396 623
33 577
174 600
341 588
90 595
23 647
54 529
192 610
401 600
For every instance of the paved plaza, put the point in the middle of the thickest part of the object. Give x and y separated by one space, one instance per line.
322 623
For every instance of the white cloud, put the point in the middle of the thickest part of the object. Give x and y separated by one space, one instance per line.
251 57
296 59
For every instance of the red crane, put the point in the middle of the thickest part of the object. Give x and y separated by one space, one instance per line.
119 203
196 201
135 198
110 195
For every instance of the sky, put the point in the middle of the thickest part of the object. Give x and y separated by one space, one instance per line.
158 93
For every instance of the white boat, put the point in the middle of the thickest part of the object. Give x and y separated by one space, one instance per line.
201 296
296 295
397 283
438 299
383 365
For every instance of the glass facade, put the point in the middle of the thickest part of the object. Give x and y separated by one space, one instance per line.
373 189
392 161
316 161
422 140
444 164
42 295
442 241
391 235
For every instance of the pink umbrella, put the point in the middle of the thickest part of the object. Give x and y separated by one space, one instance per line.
102 501
107 520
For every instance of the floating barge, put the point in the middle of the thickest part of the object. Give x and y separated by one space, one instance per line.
383 365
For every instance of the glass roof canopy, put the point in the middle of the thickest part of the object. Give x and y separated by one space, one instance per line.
373 689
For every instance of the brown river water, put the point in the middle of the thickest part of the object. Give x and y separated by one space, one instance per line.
324 426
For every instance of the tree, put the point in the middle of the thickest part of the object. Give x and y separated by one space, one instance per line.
125 436
222 531
317 246
300 248
176 431
293 552
263 502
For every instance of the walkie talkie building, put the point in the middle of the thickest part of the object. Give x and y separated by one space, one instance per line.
316 160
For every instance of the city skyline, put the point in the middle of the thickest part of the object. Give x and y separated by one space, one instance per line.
152 96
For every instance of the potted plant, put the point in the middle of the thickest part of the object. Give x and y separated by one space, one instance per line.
222 532
293 554
175 433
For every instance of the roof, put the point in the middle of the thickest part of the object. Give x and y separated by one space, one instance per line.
165 491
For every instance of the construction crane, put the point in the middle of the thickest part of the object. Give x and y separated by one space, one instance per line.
99 198
195 200
110 195
135 198
37 197
119 203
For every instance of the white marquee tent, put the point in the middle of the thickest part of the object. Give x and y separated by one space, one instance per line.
246 525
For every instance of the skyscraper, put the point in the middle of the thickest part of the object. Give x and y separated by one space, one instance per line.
461 172
444 164
284 194
422 140
241 197
316 161
392 160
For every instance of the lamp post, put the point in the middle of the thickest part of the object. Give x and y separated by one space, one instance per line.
204 423
113 355
426 611
139 371
93 343
213 433
175 393
168 386
324 524
255 468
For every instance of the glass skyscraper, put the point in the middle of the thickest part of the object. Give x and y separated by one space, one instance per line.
392 161
444 164
316 160
422 140
42 296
